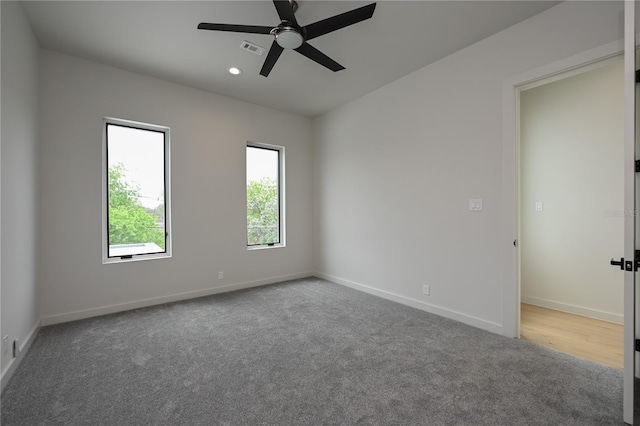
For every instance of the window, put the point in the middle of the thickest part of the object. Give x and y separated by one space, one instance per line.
265 196
136 201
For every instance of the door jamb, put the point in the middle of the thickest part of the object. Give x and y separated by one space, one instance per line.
510 167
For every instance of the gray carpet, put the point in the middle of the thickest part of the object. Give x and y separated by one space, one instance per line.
305 352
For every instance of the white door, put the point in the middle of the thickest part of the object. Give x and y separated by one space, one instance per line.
628 263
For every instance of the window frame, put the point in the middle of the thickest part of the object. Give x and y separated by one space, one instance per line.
167 253
281 196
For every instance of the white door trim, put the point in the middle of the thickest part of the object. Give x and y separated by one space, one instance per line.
510 170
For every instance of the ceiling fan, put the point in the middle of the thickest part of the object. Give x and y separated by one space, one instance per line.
290 35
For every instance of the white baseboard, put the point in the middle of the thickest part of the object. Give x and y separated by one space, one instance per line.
13 364
443 312
573 309
111 309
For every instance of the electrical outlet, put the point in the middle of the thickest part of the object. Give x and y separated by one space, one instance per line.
220 275
426 290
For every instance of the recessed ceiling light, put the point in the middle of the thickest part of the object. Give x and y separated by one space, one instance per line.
235 70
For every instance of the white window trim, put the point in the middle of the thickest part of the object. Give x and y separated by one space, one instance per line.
105 195
281 191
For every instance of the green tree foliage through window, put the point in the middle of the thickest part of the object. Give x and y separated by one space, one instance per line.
129 221
262 212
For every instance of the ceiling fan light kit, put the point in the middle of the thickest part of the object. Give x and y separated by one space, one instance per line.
290 35
288 38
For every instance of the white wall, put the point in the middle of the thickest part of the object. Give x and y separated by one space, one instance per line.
208 139
394 170
19 143
571 150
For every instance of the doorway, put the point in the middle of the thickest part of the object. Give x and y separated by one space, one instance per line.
571 211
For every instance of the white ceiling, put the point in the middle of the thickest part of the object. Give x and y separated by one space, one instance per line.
160 39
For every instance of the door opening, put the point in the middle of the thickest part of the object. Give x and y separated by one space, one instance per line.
571 211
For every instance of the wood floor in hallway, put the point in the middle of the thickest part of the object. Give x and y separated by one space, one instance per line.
583 337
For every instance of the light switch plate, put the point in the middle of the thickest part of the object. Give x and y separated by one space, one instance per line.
475 204
538 206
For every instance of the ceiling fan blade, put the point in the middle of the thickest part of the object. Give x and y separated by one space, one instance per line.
315 55
339 21
285 11
253 29
272 57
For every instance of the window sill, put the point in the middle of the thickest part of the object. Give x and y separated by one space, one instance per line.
136 258
265 247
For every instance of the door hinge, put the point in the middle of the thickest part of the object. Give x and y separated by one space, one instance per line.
515 243
637 76
637 345
637 166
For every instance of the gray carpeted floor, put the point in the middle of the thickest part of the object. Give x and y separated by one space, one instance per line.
305 352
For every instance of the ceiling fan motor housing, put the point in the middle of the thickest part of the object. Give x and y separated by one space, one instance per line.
288 37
